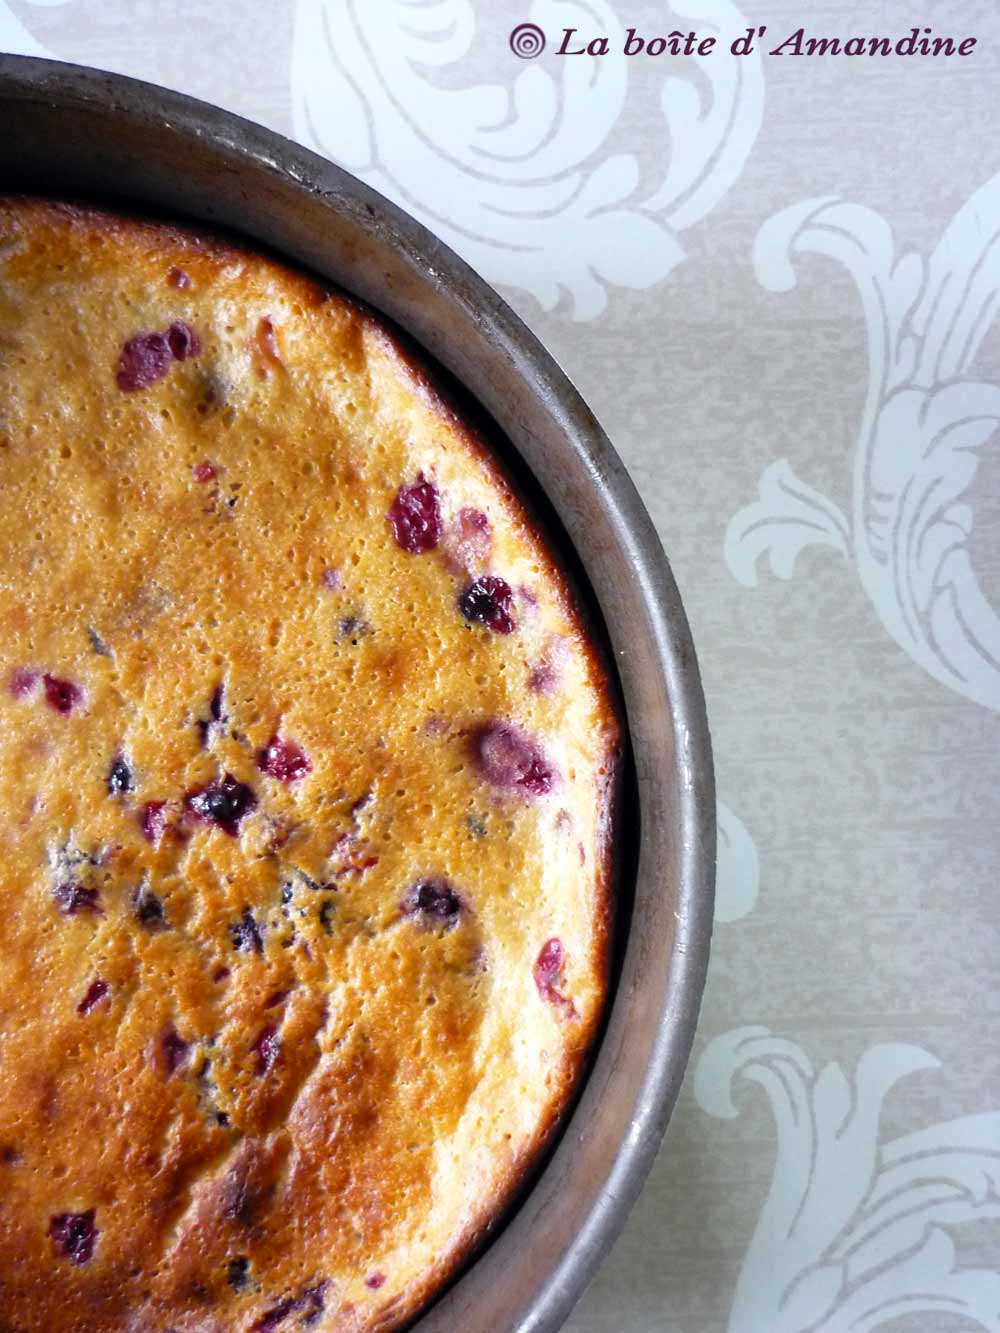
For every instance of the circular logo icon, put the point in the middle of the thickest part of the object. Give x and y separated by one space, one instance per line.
527 41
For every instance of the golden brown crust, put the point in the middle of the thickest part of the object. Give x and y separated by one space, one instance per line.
283 1026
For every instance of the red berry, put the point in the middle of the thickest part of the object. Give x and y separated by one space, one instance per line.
22 682
266 1048
415 516
205 472
95 993
182 341
173 1050
144 359
153 820
62 695
511 760
284 760
547 972
468 540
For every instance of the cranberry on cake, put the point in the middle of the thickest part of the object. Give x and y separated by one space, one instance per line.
306 774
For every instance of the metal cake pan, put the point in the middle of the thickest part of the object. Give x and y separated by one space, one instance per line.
72 131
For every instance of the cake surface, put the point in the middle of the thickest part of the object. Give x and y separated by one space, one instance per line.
306 772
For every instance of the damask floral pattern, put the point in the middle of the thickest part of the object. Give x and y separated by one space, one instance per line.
925 420
519 175
855 1231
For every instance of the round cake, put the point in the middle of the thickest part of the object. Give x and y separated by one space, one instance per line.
307 765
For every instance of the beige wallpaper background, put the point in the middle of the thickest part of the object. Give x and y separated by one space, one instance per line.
776 281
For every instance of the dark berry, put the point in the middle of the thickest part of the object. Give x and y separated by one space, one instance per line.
489 601
182 340
273 1317
547 972
375 1280
74 1235
72 898
120 781
153 820
238 1272
511 760
331 579
266 1048
415 516
143 360
216 714
310 1304
95 993
97 643
220 974
148 908
204 472
434 901
353 628
279 997
245 934
22 682
173 1050
178 278
223 803
62 695
326 915
284 760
